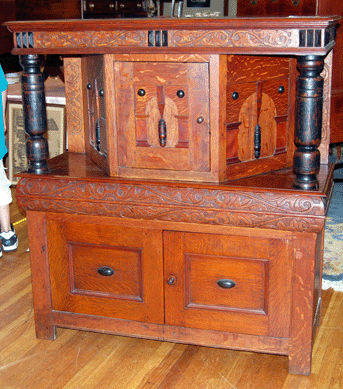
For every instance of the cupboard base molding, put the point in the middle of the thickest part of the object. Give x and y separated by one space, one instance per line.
218 339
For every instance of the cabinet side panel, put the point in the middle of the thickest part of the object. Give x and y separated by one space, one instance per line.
74 105
300 348
40 273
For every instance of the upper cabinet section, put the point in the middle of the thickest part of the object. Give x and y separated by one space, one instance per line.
202 118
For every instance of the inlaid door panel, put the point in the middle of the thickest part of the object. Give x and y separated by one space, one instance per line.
228 283
164 115
257 110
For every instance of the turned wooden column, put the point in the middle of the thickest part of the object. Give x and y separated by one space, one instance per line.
308 128
35 122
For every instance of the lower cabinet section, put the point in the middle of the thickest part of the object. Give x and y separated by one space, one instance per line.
232 283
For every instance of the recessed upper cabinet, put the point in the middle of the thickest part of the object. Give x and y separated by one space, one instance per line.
188 117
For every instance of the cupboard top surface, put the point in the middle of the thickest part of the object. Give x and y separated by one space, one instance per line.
287 35
79 167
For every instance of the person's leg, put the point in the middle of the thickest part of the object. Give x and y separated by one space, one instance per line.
9 240
5 222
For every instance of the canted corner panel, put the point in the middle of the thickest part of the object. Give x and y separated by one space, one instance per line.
74 104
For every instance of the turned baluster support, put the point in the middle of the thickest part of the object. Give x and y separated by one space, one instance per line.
35 123
308 129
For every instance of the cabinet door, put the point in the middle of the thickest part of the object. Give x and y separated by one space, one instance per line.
228 283
164 115
105 270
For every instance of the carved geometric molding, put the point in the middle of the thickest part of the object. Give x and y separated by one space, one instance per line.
293 212
24 40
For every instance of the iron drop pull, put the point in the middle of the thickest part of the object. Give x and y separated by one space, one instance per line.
226 283
105 271
162 125
97 135
257 141
162 132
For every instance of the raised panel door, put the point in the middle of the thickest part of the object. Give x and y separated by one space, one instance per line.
228 283
106 270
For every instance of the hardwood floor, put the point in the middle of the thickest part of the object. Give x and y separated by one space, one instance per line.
77 360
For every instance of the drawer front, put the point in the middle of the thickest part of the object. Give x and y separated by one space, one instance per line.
228 283
164 115
106 270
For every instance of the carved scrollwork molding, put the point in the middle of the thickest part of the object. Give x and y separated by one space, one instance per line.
90 39
234 38
181 204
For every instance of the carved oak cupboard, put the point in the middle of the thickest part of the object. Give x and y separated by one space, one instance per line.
178 212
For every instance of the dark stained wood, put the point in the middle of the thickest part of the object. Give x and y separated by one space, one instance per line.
275 8
52 9
309 121
33 94
7 13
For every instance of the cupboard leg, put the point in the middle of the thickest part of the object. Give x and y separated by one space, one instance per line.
35 122
40 275
309 101
302 316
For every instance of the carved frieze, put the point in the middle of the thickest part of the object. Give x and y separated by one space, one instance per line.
179 204
234 38
90 39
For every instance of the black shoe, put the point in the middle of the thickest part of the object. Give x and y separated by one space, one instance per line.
9 240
